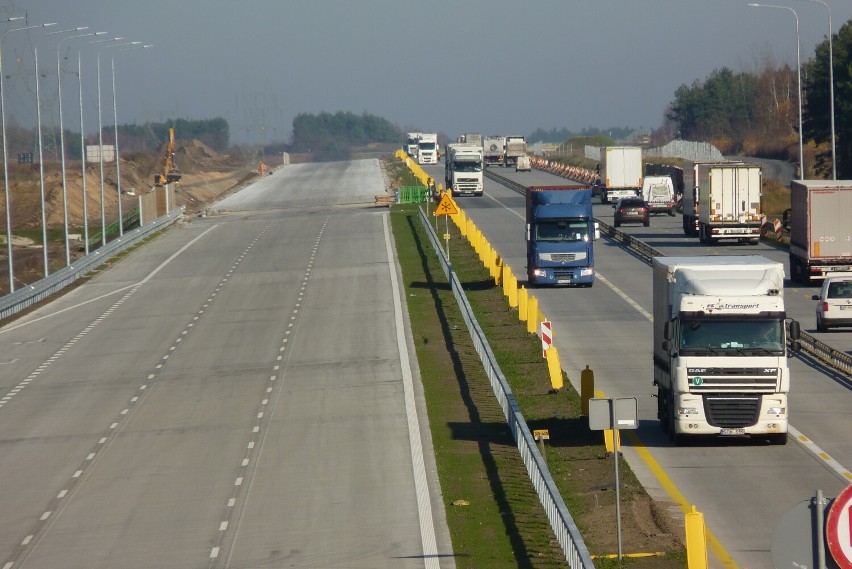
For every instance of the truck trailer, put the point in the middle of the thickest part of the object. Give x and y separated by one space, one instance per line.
820 230
658 192
560 232
463 169
720 347
728 203
427 149
493 149
621 172
516 146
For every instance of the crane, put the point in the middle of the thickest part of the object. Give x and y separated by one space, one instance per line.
170 173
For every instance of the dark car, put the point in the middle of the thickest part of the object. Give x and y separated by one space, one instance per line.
631 210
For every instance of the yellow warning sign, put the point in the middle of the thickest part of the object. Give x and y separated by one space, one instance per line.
446 206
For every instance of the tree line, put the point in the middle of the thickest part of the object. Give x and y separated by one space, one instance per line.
330 136
757 113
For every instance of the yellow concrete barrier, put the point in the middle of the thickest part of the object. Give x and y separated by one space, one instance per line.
532 315
696 540
554 368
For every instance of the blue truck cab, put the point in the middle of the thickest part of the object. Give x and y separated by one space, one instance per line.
560 232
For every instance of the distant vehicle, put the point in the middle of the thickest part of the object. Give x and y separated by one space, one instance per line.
516 146
621 172
658 192
820 229
427 149
524 164
472 138
720 347
728 199
560 232
835 302
631 210
411 144
493 149
463 169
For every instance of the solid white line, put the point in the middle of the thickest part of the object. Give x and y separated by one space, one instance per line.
424 505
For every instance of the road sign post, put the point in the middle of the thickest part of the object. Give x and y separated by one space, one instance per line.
446 207
615 414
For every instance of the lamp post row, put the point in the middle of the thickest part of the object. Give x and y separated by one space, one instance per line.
128 45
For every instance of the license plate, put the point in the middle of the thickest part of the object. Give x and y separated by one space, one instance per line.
563 281
732 432
845 306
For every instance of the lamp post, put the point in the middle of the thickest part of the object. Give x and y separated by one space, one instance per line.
5 157
62 139
799 71
101 141
831 89
135 45
83 140
41 155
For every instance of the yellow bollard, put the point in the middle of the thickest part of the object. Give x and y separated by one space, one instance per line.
696 540
506 279
523 302
587 389
554 368
497 273
610 448
532 315
513 292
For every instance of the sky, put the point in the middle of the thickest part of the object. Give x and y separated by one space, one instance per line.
450 66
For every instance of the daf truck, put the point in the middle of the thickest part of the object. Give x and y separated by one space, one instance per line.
560 233
516 146
820 229
463 169
427 149
493 149
728 203
621 173
720 347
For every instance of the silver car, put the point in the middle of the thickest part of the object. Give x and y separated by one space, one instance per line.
835 302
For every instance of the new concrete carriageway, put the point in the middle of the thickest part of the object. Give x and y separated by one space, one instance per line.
236 393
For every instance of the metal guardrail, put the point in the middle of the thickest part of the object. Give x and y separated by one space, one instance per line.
838 361
566 531
39 290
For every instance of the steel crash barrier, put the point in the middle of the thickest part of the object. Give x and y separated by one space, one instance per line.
561 522
39 290
838 361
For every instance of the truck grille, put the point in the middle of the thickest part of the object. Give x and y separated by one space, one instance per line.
716 380
731 411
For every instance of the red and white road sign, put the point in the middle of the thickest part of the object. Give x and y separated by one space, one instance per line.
546 337
838 529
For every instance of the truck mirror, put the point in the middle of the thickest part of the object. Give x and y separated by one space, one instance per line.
597 234
667 345
528 231
667 331
795 330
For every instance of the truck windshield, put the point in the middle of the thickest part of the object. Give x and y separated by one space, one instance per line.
742 336
427 146
467 166
562 230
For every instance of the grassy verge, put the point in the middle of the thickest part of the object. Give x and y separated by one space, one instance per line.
494 515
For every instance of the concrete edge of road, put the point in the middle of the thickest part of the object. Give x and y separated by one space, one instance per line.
439 515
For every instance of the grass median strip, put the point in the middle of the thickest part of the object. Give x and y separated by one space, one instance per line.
494 514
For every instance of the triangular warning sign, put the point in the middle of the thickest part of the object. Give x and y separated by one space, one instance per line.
446 206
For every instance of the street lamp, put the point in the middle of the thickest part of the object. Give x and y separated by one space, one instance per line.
83 140
101 140
5 157
135 45
62 140
830 89
41 153
799 71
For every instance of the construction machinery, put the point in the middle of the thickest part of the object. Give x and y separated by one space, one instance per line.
170 172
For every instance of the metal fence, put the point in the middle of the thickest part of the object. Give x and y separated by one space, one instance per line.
566 531
39 290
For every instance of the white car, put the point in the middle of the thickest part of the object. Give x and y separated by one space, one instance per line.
835 302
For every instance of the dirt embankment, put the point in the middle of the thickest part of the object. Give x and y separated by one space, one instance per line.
206 175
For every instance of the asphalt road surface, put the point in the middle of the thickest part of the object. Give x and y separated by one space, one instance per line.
236 393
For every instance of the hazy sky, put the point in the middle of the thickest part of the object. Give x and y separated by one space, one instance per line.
451 66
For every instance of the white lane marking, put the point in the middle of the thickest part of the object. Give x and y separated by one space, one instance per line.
803 440
424 505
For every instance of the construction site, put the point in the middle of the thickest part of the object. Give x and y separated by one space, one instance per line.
196 173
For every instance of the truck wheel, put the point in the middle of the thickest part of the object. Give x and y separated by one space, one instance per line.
676 439
671 213
821 327
755 241
777 439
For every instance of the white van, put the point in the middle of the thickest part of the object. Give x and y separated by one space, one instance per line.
658 193
524 164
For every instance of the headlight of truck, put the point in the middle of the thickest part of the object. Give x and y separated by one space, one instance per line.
587 272
539 272
776 411
687 410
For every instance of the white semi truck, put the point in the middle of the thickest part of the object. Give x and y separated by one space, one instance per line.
516 146
463 169
724 202
720 347
427 149
820 230
411 141
621 172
